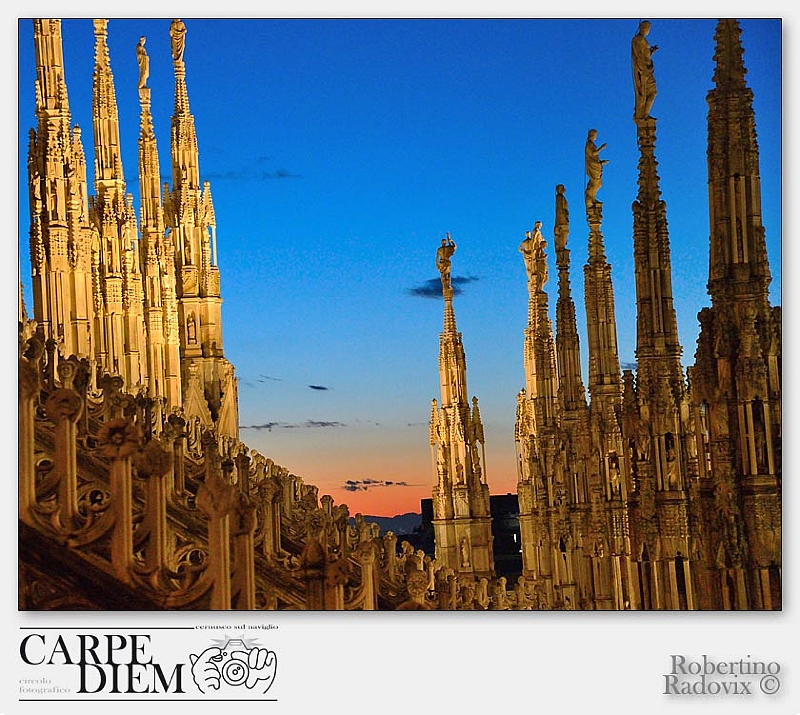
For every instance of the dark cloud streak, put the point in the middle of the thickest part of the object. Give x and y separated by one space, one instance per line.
253 175
432 288
308 424
363 485
267 426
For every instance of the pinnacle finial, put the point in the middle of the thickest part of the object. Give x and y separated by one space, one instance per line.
729 69
101 44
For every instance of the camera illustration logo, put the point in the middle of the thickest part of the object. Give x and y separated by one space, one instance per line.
234 666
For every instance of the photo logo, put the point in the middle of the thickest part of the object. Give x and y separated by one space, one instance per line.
234 666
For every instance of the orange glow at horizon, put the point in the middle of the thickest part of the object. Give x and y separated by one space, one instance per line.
358 470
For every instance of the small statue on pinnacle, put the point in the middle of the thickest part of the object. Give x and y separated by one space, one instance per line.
443 255
644 80
594 168
177 33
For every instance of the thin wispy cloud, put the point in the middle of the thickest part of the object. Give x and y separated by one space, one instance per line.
317 423
363 485
253 175
264 379
308 424
432 288
282 174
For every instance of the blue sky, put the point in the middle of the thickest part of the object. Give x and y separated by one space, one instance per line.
340 152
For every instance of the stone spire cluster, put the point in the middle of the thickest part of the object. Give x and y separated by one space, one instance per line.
573 520
541 484
461 516
210 388
663 492
119 320
64 246
157 259
142 306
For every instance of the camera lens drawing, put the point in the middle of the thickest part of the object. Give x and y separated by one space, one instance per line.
234 665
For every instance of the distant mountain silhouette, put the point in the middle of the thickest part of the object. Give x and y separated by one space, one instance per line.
398 525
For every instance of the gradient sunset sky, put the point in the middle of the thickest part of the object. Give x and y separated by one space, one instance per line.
339 154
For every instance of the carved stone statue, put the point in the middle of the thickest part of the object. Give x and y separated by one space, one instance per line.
642 444
465 563
614 474
177 33
672 469
562 208
532 249
191 329
594 167
644 81
533 254
144 63
562 218
499 595
443 255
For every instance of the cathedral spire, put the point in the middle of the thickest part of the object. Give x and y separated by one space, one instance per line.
157 259
604 374
190 211
658 350
539 348
660 410
736 380
207 376
452 362
108 162
461 511
149 172
657 330
60 237
51 89
185 164
572 396
117 277
604 379
540 477
659 379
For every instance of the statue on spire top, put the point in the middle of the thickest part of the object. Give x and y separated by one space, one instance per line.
144 63
443 255
561 229
532 250
594 167
177 33
644 80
